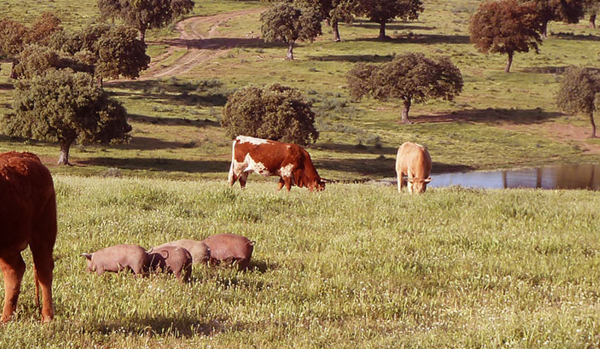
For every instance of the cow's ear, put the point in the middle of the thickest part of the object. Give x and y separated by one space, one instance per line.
87 256
427 180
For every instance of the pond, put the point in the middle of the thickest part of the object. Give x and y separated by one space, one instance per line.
577 176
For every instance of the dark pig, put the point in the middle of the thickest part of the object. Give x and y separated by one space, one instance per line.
230 249
117 258
172 259
198 249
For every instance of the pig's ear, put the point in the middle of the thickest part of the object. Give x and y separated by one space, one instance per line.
87 255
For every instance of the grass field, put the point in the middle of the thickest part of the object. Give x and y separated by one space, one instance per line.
175 120
354 266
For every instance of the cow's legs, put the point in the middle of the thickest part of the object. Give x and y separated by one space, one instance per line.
401 182
243 177
13 268
44 266
288 183
280 184
232 176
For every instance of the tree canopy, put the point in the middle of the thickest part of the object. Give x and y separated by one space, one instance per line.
63 106
579 92
384 11
411 77
144 14
334 11
506 27
287 23
274 112
568 11
108 51
14 35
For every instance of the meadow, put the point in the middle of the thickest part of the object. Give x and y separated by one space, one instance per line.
499 121
354 266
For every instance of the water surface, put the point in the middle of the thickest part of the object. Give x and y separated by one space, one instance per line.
577 176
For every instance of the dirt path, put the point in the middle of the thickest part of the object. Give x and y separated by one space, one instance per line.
201 46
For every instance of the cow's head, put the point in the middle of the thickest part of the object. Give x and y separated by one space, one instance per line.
418 185
317 185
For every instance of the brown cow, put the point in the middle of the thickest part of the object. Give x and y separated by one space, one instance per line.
413 161
27 217
269 158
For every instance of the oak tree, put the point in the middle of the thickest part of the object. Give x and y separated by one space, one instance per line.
110 51
63 106
411 77
384 11
144 14
333 11
275 112
287 23
579 92
568 11
506 27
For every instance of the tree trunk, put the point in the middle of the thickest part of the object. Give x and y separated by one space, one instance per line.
593 125
593 21
382 35
509 63
545 29
64 152
143 36
290 52
12 71
336 31
405 110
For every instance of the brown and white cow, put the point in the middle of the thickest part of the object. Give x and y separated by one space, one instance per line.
27 217
414 162
270 158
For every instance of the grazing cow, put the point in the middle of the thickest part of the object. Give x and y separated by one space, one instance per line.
27 217
199 250
230 249
269 158
414 162
116 258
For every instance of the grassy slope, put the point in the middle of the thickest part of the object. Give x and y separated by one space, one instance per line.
355 266
176 131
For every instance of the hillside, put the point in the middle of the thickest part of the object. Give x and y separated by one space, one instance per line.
176 106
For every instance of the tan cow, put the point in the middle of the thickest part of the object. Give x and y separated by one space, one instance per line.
27 217
414 162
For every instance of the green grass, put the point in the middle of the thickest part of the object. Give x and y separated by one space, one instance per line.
353 266
176 127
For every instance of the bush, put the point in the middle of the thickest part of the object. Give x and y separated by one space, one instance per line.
275 112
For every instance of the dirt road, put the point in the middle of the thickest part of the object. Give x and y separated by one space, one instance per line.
201 46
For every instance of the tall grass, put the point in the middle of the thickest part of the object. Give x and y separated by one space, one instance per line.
353 266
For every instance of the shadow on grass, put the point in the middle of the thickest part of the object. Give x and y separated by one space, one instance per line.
580 37
422 39
379 167
220 43
353 58
186 326
172 91
161 164
171 121
357 148
361 23
6 86
510 116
